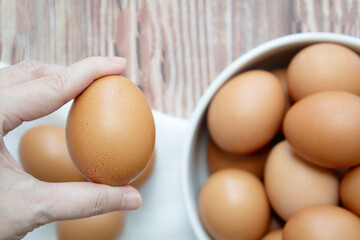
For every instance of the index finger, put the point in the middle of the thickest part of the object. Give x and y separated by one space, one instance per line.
33 99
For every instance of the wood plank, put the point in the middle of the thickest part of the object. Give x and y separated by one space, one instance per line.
175 48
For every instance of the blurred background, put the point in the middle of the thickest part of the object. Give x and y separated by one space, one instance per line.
174 48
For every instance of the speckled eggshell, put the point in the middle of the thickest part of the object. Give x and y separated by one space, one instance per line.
246 112
322 222
233 205
324 129
323 67
102 227
350 190
218 159
293 184
44 155
110 131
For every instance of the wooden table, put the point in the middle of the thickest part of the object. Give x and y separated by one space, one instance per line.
175 48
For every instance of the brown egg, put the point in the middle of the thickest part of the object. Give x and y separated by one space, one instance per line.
44 155
349 190
145 175
324 129
293 184
102 227
274 235
247 112
323 67
322 222
110 131
280 73
218 159
233 205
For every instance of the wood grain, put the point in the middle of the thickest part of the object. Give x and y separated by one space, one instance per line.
175 48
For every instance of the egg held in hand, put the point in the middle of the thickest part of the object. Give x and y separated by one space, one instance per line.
110 131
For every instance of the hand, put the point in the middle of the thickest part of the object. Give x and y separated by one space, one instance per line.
30 90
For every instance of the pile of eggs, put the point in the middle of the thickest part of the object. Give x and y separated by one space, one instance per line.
284 151
109 139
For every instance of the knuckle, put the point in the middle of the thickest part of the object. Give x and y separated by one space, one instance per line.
9 118
42 216
59 83
40 209
101 202
32 67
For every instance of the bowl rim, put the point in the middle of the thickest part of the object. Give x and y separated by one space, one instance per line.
226 74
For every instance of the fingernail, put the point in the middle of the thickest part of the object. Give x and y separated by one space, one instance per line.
118 60
132 201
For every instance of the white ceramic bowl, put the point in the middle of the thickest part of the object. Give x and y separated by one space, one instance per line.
272 54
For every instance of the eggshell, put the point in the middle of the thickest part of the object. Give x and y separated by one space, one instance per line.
274 235
44 155
233 205
146 174
293 184
247 111
324 129
323 67
350 190
322 222
102 227
218 159
280 73
110 131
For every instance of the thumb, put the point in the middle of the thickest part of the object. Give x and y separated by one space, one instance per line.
63 201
